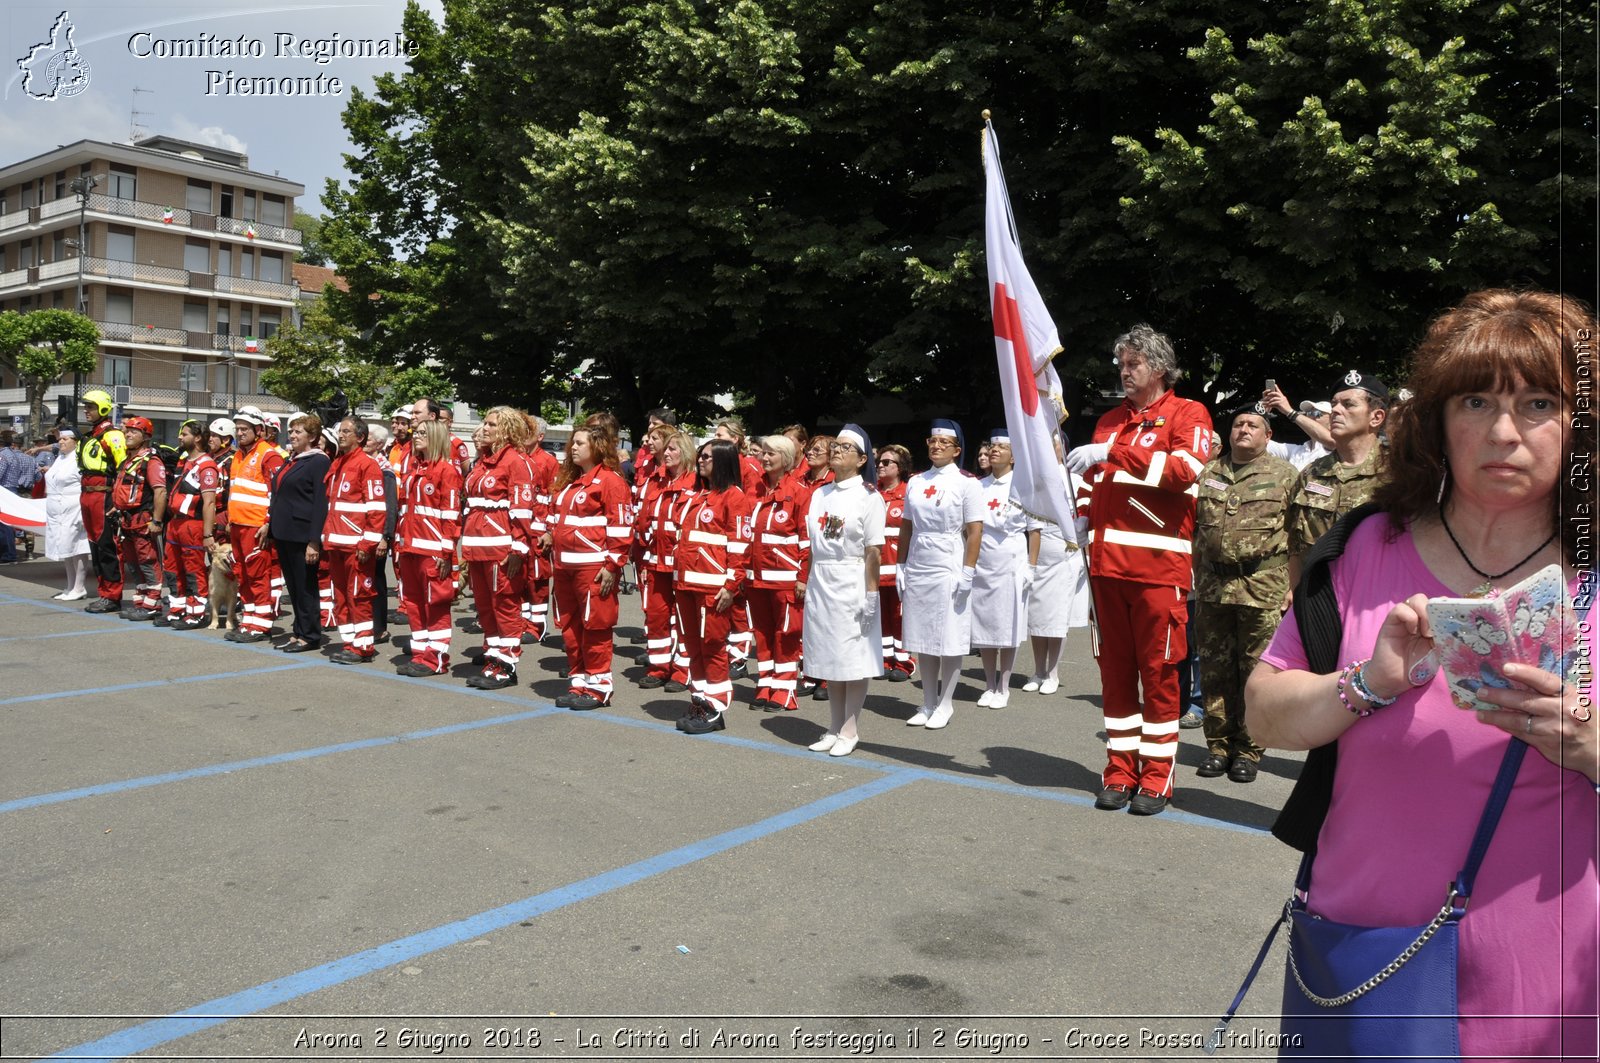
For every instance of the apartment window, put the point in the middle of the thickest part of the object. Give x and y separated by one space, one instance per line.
119 307
194 317
247 206
119 245
59 299
27 195
274 211
222 321
58 246
199 197
25 253
197 256
61 185
121 183
244 323
224 261
269 325
227 201
271 268
117 371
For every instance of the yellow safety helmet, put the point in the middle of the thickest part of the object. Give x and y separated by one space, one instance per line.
99 400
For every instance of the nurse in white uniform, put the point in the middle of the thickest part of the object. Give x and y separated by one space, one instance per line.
939 540
839 588
1000 582
1058 600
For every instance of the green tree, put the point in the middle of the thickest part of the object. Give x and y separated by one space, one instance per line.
312 360
408 385
42 345
312 253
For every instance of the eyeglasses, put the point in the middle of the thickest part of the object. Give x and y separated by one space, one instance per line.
703 457
844 446
944 441
887 461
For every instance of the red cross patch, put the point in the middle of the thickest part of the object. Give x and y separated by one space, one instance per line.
930 492
994 503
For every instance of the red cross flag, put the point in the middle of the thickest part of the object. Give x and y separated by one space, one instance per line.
1025 342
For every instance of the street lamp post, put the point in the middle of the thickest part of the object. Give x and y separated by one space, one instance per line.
233 373
83 185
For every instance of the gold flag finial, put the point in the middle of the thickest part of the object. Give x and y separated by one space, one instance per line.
986 114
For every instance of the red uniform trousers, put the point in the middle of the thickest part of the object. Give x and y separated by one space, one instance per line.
536 607
188 568
426 596
498 599
775 620
253 567
705 636
325 602
141 566
352 599
105 555
665 655
588 624
895 657
1142 640
741 639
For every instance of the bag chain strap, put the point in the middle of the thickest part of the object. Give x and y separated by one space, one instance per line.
1372 983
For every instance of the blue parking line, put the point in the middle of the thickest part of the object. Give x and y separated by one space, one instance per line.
157 1032
146 684
126 785
57 635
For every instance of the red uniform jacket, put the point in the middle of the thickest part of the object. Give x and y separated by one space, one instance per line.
655 523
1140 500
590 521
713 541
499 509
133 491
779 542
752 476
430 510
544 469
894 503
356 503
196 475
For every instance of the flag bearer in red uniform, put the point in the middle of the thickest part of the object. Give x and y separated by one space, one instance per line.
425 547
713 541
894 469
139 496
255 462
100 452
350 538
496 538
777 553
191 532
1137 490
655 535
590 533
536 603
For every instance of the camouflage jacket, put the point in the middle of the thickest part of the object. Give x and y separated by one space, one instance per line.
1328 489
1241 540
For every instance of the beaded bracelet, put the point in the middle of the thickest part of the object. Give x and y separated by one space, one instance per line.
1358 681
1344 698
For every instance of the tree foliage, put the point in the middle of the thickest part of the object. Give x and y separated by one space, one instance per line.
782 199
42 345
311 252
317 356
417 382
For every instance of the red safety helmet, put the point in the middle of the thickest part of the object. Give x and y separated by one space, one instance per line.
141 423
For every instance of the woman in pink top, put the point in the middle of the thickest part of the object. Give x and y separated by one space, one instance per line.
1480 459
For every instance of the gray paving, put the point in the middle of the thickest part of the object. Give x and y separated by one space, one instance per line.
331 851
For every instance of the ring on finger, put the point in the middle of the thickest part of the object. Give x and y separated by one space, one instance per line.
1529 728
1581 713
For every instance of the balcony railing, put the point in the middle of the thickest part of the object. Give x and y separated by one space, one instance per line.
14 219
16 276
126 333
262 230
258 289
156 212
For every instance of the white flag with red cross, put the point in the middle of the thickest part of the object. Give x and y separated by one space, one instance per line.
1025 342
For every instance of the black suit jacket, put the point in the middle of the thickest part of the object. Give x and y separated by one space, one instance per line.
299 500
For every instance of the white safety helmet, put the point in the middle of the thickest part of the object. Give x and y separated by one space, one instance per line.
222 427
251 416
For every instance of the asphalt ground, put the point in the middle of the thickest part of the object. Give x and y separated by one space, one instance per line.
219 851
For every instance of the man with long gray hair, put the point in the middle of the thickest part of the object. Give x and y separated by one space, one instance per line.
1136 476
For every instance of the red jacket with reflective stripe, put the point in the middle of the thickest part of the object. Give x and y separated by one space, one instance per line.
713 542
544 468
779 543
356 503
498 515
196 475
430 510
591 521
1141 499
894 505
655 523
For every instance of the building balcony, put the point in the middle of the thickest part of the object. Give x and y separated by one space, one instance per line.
102 207
255 289
117 331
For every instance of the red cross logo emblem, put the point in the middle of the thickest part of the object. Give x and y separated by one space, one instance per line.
1008 326
822 520
994 504
930 492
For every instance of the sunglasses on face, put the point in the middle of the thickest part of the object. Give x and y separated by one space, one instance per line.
887 461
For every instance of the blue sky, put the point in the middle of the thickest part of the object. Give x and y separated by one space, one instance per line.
300 138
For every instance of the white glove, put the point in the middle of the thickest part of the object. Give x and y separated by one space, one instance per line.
1029 577
1080 529
964 585
900 580
868 610
1080 459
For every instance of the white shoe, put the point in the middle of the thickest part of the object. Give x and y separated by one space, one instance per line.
986 699
75 596
919 720
843 746
940 717
59 595
1032 683
825 743
1049 686
999 699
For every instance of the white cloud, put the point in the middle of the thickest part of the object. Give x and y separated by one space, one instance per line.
181 127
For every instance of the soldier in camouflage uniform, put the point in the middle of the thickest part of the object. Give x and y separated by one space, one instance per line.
1335 484
1241 551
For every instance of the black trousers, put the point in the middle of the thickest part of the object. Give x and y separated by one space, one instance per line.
380 592
300 580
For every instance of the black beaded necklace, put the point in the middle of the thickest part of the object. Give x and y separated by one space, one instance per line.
1480 571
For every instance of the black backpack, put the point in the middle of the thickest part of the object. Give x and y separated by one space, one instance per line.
1316 614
